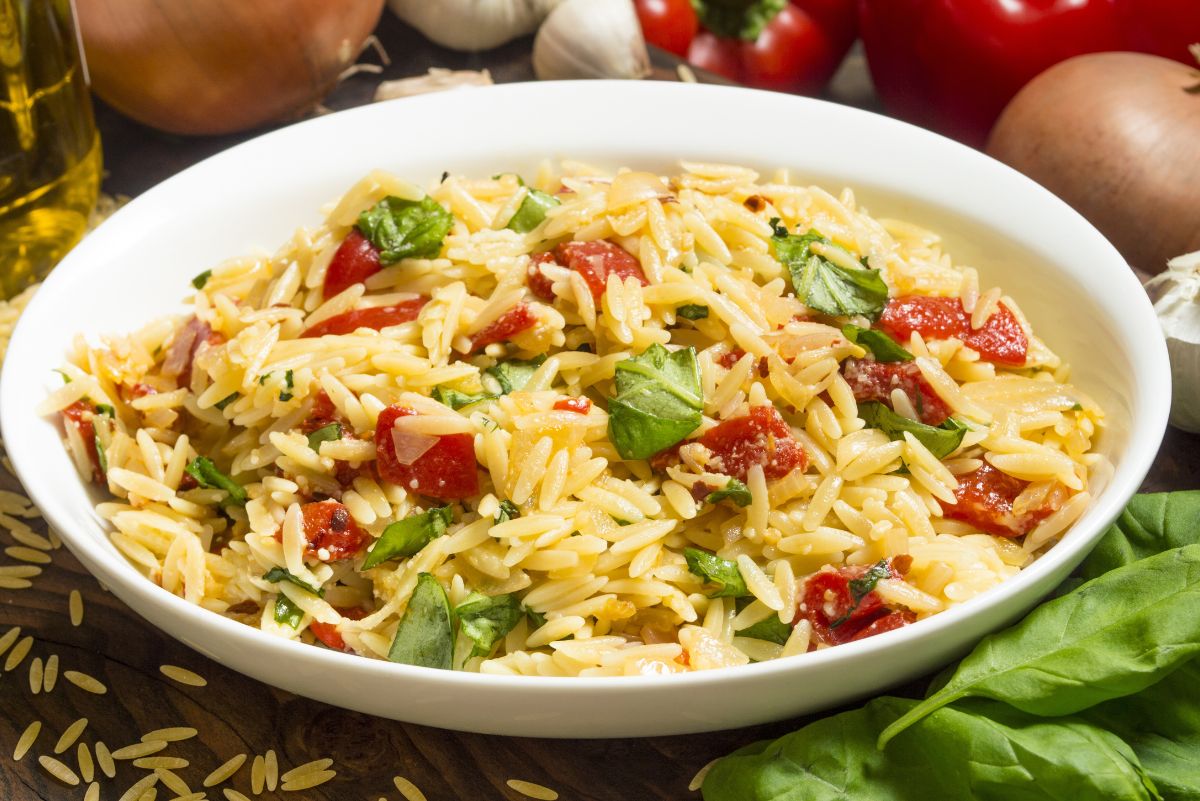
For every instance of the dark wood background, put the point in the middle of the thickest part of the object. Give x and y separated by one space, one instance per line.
235 714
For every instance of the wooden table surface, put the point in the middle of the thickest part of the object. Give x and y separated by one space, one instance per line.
235 714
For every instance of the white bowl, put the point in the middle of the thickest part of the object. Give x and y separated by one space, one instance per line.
1071 283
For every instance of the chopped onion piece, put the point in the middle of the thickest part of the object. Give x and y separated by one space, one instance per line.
411 446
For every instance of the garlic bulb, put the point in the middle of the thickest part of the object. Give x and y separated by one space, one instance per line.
1178 309
591 39
473 24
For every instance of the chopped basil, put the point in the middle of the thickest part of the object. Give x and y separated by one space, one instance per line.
329 433
771 628
735 491
536 619
863 586
404 229
286 612
200 280
425 636
824 286
207 475
408 536
531 211
941 440
66 378
882 347
1077 407
692 311
507 511
514 374
106 410
101 456
223 402
714 569
262 379
487 619
288 380
658 401
278 574
456 400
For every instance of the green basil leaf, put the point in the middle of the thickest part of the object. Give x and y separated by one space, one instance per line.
536 619
278 574
982 750
735 491
485 620
101 456
404 229
514 374
289 381
425 636
225 401
208 476
532 211
329 433
824 286
692 311
1112 637
882 347
658 401
715 570
286 612
456 400
200 280
408 536
1150 524
106 410
737 19
507 511
771 628
941 440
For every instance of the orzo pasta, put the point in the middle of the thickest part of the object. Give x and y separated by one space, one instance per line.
598 424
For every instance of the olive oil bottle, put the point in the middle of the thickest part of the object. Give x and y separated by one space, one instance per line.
49 148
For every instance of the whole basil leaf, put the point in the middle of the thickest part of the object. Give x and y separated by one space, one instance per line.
425 636
532 211
722 572
487 619
982 750
207 475
1151 523
1112 637
329 433
882 347
404 229
286 612
278 574
408 536
824 286
658 401
941 440
735 491
514 374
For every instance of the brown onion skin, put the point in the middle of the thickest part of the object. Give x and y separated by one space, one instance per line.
1116 136
220 66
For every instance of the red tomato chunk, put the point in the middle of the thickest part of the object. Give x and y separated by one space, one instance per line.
870 380
374 317
328 633
541 286
1000 340
355 260
329 527
514 321
829 605
447 471
761 437
79 415
577 405
594 261
985 500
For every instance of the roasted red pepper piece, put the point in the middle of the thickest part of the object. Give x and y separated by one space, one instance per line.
985 500
514 321
760 437
447 471
1000 340
870 380
355 260
375 317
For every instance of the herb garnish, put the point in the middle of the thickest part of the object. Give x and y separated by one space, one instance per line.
940 440
658 401
278 574
329 433
200 280
882 346
286 612
457 400
225 401
824 286
485 620
507 511
514 374
735 491
722 572
208 476
692 311
408 536
404 229
425 635
532 211
863 586
286 395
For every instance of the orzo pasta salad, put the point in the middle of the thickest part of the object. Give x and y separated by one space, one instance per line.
593 424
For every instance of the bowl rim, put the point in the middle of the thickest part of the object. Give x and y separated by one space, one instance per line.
1152 400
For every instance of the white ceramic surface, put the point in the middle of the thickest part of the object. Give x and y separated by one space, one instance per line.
1071 283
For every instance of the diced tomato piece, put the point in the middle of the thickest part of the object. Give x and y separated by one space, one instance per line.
323 413
447 471
577 405
514 321
596 260
1000 340
889 622
355 260
79 415
541 286
328 633
828 603
374 317
142 390
187 482
730 357
329 527
870 380
985 500
761 437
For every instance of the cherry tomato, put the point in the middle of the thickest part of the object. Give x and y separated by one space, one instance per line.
792 54
375 317
669 24
447 471
355 260
716 54
514 321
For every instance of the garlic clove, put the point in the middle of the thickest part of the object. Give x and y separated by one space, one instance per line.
472 25
591 39
1178 309
436 80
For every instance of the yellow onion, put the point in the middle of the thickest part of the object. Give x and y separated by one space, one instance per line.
220 66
